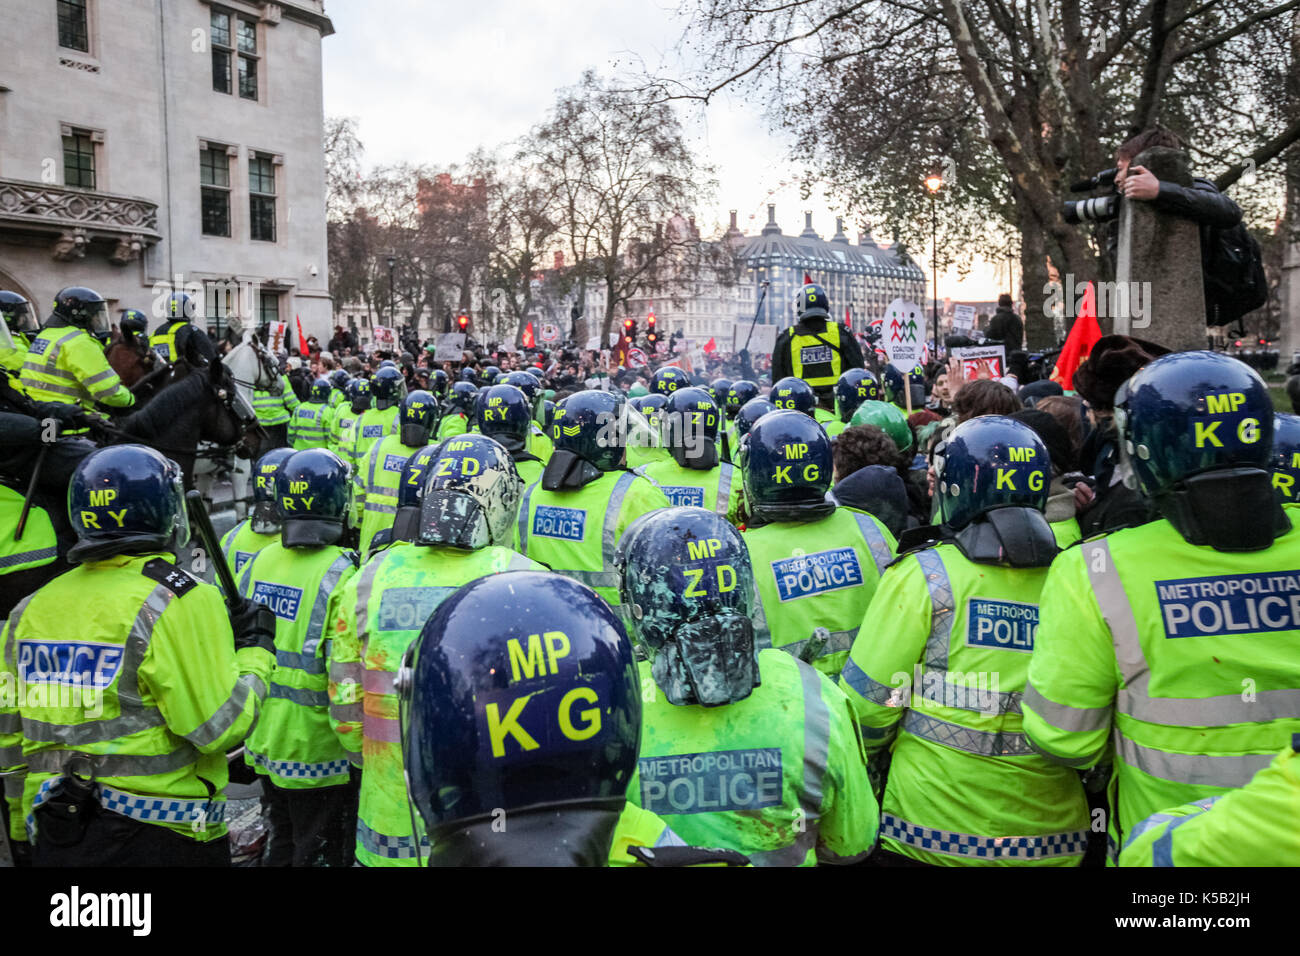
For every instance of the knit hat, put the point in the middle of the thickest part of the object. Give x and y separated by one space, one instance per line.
1112 362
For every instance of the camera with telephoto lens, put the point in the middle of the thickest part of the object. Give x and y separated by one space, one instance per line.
1098 208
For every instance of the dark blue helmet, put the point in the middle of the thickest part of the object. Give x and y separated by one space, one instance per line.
689 426
649 405
718 390
83 308
535 372
740 393
522 694
388 387
438 382
386 363
467 374
133 322
987 463
180 307
893 386
418 418
525 383
786 464
339 379
18 313
461 397
1286 457
410 493
688 586
793 394
471 495
314 496
668 380
360 394
750 413
489 376
812 301
855 386
126 499
547 415
1190 413
504 412
585 424
265 516
320 390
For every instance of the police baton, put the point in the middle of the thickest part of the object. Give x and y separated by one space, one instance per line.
200 522
31 490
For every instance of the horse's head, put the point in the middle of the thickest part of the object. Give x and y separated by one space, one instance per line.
235 416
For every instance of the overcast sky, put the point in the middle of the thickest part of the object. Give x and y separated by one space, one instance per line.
430 82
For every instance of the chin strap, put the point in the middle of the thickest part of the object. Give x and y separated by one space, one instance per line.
1018 537
567 471
578 834
1230 510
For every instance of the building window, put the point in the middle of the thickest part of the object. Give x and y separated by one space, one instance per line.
234 46
214 180
261 197
79 159
74 30
268 308
219 302
221 53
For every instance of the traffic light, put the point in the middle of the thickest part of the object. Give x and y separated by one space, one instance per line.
651 334
629 328
462 322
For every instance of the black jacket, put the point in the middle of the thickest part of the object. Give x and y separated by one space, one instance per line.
1202 203
783 361
1006 327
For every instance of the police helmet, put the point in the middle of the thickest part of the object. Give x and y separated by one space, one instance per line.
546 415
668 380
536 373
749 414
265 516
467 374
687 588
320 390
461 397
386 363
893 386
388 386
438 381
418 418
689 427
718 390
888 418
313 491
855 386
786 465
410 494
739 393
339 379
179 307
83 308
811 301
133 322
1286 457
794 394
543 663
360 395
503 412
987 463
18 313
649 405
471 496
126 499
588 424
1190 413
489 376
525 383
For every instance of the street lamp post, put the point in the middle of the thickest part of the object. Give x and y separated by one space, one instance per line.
392 297
933 183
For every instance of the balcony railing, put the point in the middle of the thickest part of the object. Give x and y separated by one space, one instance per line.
49 208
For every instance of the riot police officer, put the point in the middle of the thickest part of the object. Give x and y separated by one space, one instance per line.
817 349
854 387
504 413
178 339
456 413
379 475
694 476
778 728
964 785
668 380
795 394
388 386
262 526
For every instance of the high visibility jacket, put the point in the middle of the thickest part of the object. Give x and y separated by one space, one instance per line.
379 612
819 574
309 425
1253 826
575 532
293 744
816 358
372 425
779 776
539 444
141 673
530 470
834 428
13 359
273 409
337 397
38 545
941 661
379 477
241 544
163 341
1066 531
637 827
452 423
341 437
1180 656
718 489
67 365
825 418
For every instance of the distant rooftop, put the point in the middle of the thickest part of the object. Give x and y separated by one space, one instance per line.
809 251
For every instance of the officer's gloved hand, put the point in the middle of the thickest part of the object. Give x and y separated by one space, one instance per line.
253 624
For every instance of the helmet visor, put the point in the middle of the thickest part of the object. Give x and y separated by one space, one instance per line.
181 523
96 319
710 661
453 518
20 318
6 340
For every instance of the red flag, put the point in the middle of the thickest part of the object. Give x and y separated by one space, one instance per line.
1083 336
530 342
807 279
302 339
710 346
848 318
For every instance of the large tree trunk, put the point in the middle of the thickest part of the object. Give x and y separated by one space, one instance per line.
1039 330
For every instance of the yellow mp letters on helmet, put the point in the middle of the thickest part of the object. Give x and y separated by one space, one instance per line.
794 452
103 498
539 658
296 488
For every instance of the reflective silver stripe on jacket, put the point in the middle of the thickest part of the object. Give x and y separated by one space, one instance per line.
316 623
1200 770
115 765
1076 719
866 686
816 755
970 846
838 641
298 695
523 518
23 557
983 742
1134 698
876 543
725 475
608 576
229 712
383 729
942 615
